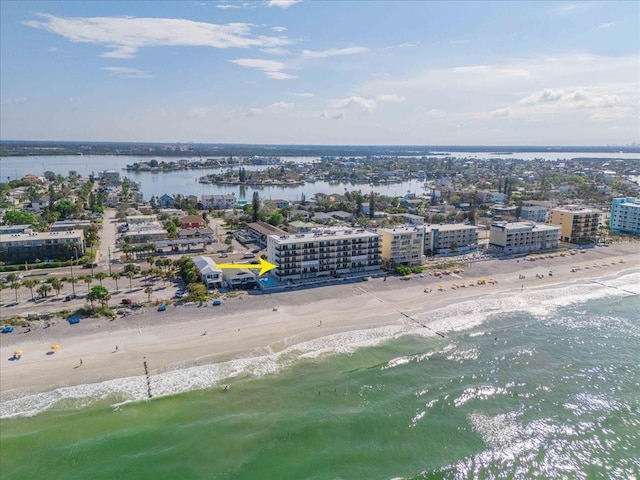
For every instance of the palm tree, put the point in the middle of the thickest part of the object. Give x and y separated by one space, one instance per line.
29 283
88 279
116 276
56 284
148 291
101 276
15 286
130 275
44 289
73 281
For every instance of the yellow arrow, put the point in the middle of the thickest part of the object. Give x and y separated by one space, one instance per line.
264 266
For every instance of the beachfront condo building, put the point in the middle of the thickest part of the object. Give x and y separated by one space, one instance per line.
535 211
29 246
402 245
523 237
455 237
326 253
625 215
577 224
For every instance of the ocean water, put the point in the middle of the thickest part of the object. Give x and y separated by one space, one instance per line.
540 384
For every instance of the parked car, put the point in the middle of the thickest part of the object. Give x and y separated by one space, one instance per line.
223 255
162 308
90 265
255 250
248 255
68 298
180 293
126 301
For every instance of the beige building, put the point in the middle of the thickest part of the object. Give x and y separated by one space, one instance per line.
577 224
324 253
522 237
402 245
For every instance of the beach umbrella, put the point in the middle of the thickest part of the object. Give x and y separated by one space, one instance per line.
55 346
17 353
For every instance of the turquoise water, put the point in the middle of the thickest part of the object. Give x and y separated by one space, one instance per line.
549 390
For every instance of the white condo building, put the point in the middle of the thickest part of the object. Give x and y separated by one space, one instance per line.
218 202
324 254
450 237
625 215
523 237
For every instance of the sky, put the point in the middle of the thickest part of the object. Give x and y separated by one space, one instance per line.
323 72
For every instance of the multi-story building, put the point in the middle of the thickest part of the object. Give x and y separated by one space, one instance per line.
210 274
450 237
30 246
218 202
534 212
144 233
324 253
625 215
402 245
522 237
577 224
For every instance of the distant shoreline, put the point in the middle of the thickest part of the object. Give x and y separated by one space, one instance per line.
18 148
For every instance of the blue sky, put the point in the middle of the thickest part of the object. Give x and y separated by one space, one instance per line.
322 72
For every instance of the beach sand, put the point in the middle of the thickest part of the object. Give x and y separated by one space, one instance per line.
254 324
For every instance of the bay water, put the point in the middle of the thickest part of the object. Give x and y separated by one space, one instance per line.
544 384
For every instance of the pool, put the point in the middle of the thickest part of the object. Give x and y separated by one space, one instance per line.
268 282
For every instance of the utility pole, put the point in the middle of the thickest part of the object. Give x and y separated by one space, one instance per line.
109 249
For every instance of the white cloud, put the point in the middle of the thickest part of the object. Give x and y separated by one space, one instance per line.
304 94
126 35
197 112
576 97
226 6
332 52
128 72
390 98
271 68
606 25
253 112
278 29
282 3
281 106
275 51
404 45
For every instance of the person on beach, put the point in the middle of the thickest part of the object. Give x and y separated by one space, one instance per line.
80 362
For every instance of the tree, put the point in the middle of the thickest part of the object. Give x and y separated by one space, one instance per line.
18 217
73 281
88 279
56 284
255 203
29 283
44 289
116 276
197 292
101 276
372 204
130 275
15 286
148 291
98 294
276 219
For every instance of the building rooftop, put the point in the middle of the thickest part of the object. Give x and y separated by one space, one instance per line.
326 234
65 234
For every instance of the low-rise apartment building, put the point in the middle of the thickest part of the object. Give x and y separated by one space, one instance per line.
218 202
534 212
324 254
523 237
402 245
30 246
625 215
577 224
449 238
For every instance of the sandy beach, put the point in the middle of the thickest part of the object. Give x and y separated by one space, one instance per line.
99 349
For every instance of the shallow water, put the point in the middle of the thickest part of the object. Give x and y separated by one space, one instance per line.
542 388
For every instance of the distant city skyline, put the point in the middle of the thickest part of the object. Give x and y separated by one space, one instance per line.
321 72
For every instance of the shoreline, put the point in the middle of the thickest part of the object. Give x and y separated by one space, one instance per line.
269 324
